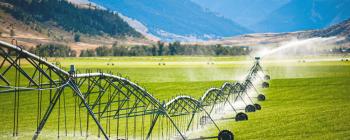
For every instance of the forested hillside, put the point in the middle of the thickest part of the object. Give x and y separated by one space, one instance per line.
90 21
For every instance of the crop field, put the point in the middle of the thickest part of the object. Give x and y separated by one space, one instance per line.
308 98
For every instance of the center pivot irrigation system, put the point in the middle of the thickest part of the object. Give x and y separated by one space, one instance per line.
119 108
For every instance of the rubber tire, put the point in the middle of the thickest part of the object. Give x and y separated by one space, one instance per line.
265 85
257 106
250 108
226 135
261 97
241 116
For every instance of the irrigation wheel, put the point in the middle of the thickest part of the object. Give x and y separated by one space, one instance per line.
241 116
261 97
250 108
225 135
257 106
265 85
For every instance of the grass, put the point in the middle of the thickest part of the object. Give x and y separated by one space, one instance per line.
302 108
305 101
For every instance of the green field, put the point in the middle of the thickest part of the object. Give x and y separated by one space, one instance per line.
305 101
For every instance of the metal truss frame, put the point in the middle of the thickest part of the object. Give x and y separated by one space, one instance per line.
107 96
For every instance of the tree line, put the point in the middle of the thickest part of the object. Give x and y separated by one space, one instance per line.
158 49
53 50
163 49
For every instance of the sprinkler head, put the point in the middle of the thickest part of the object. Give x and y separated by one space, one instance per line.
257 106
250 108
267 77
241 116
261 97
225 135
257 58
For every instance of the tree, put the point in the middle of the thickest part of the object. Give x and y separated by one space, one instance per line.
219 50
82 53
160 48
32 50
77 37
154 50
172 49
53 50
178 48
73 53
114 49
87 53
12 33
103 51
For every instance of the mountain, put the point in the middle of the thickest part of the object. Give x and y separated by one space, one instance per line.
341 29
138 26
305 15
68 17
244 12
80 26
175 19
281 15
